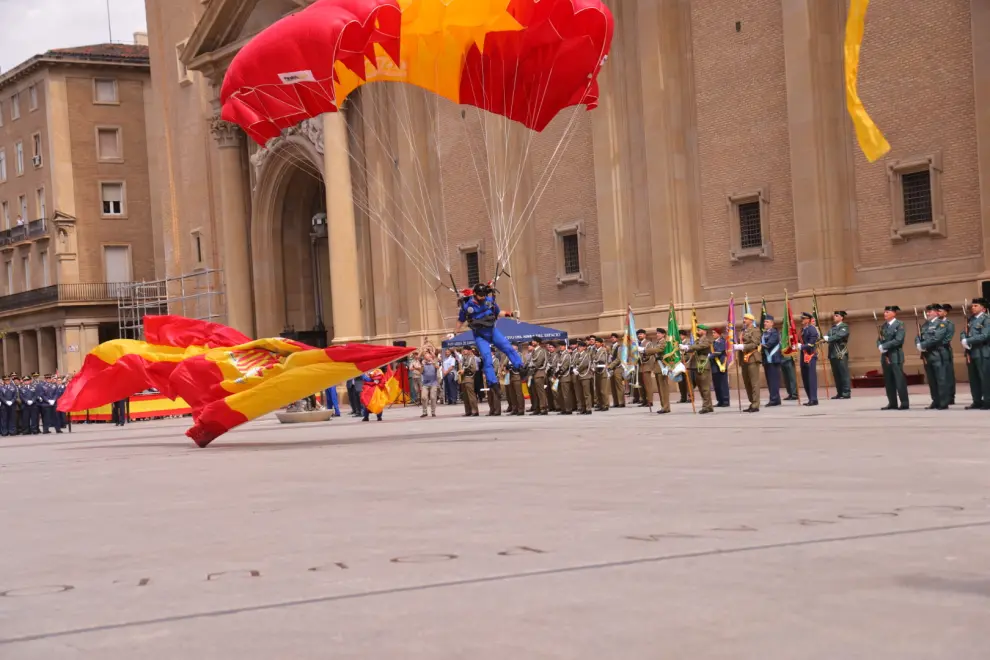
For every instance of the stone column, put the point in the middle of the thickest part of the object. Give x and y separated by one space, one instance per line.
344 263
821 172
29 352
47 355
72 337
11 353
234 221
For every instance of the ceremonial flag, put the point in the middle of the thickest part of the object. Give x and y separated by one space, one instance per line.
871 140
672 350
746 309
630 343
763 312
694 327
730 336
788 334
226 385
381 392
814 311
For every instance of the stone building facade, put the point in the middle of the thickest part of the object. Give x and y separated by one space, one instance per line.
75 207
720 161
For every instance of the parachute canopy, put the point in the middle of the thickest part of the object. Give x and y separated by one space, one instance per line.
523 59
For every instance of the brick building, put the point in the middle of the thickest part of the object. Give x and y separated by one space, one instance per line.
75 211
720 161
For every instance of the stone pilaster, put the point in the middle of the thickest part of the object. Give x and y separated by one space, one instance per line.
345 273
234 221
821 172
980 12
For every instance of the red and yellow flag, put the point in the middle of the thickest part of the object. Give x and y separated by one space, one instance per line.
226 384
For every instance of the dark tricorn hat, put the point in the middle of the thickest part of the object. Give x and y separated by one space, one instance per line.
980 301
933 307
891 308
807 315
840 312
641 332
946 307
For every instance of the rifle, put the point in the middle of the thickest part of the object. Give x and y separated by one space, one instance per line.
966 316
917 322
879 333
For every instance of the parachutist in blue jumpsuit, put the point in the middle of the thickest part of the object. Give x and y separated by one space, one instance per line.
480 311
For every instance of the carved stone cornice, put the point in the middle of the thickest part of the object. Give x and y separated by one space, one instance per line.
310 130
226 134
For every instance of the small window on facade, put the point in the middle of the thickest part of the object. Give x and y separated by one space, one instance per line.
750 231
15 106
113 198
36 146
473 267
108 143
199 248
33 96
5 213
105 91
3 165
916 190
19 153
41 205
117 263
22 204
572 254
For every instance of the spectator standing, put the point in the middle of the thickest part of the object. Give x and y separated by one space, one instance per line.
415 377
450 368
431 382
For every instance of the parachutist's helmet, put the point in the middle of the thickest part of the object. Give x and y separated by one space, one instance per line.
482 289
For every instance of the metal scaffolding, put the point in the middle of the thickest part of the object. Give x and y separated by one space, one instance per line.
197 295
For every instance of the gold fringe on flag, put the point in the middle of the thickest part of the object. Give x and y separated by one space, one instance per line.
871 140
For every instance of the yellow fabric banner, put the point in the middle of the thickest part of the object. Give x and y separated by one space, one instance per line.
871 140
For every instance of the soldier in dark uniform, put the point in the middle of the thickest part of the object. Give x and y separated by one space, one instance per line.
770 345
30 400
931 344
976 342
48 393
61 417
891 347
700 352
809 358
838 355
720 370
943 313
8 407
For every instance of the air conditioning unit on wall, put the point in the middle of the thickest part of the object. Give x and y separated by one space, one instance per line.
37 161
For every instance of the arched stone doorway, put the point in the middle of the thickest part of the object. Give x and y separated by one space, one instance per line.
289 248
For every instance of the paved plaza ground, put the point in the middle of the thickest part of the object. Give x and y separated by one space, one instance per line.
799 533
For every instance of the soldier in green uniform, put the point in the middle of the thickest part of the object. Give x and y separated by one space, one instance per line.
565 386
976 341
552 358
538 377
469 367
647 363
586 375
931 345
700 352
618 381
838 354
750 356
891 347
789 376
943 313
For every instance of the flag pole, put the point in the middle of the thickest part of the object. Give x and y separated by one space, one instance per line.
819 348
687 373
735 358
789 320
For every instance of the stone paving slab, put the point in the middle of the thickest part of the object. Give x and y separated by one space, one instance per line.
832 532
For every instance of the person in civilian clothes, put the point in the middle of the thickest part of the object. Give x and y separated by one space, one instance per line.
371 379
431 383
809 358
720 369
770 345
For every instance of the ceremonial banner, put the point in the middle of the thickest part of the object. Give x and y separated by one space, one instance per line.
871 140
788 334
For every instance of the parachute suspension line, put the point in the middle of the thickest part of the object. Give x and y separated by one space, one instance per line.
443 200
390 151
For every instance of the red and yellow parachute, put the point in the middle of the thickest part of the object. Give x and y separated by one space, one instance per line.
523 59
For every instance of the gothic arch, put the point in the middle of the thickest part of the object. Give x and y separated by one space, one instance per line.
276 168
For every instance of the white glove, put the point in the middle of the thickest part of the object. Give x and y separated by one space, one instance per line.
450 336
739 347
881 349
684 347
918 346
965 342
825 337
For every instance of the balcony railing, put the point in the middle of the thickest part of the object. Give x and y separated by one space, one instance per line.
92 292
33 229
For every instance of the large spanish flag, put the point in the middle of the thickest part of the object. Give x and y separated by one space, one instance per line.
226 378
